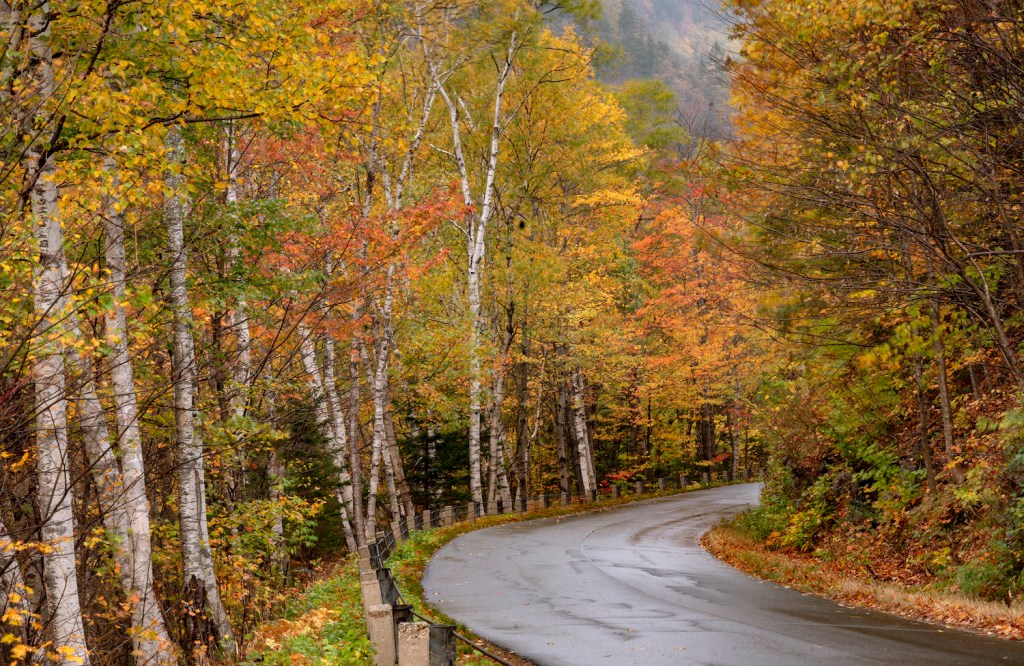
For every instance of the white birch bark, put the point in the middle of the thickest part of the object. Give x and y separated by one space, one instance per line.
54 493
13 593
11 25
476 233
358 516
324 420
497 486
401 481
239 318
151 641
579 420
341 443
377 378
197 560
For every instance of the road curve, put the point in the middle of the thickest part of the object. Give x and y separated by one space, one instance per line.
633 586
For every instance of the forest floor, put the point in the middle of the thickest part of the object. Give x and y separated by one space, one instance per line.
855 586
324 623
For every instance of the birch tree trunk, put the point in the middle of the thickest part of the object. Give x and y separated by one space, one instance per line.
342 455
325 422
498 478
13 593
384 449
197 560
356 440
238 317
401 481
150 638
476 234
54 493
579 417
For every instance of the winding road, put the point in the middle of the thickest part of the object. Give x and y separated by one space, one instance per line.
632 585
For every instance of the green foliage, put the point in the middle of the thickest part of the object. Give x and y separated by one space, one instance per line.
651 109
324 625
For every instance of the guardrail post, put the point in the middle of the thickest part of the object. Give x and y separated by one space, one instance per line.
471 511
615 491
426 519
369 586
542 500
414 644
564 499
396 529
706 476
639 487
446 516
364 559
381 625
661 485
422 644
682 481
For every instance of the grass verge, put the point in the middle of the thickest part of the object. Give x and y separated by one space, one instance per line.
804 572
324 624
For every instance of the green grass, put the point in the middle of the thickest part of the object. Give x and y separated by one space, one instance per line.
323 625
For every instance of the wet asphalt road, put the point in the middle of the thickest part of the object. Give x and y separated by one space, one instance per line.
633 586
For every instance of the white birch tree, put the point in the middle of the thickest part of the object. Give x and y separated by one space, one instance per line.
197 560
54 493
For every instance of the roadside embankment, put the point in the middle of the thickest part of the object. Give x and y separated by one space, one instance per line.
855 586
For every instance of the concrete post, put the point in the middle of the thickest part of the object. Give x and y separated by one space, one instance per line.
682 481
422 644
639 487
426 519
381 625
542 500
706 476
413 644
370 588
593 495
396 529
471 512
661 485
364 559
446 516
564 499
615 491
